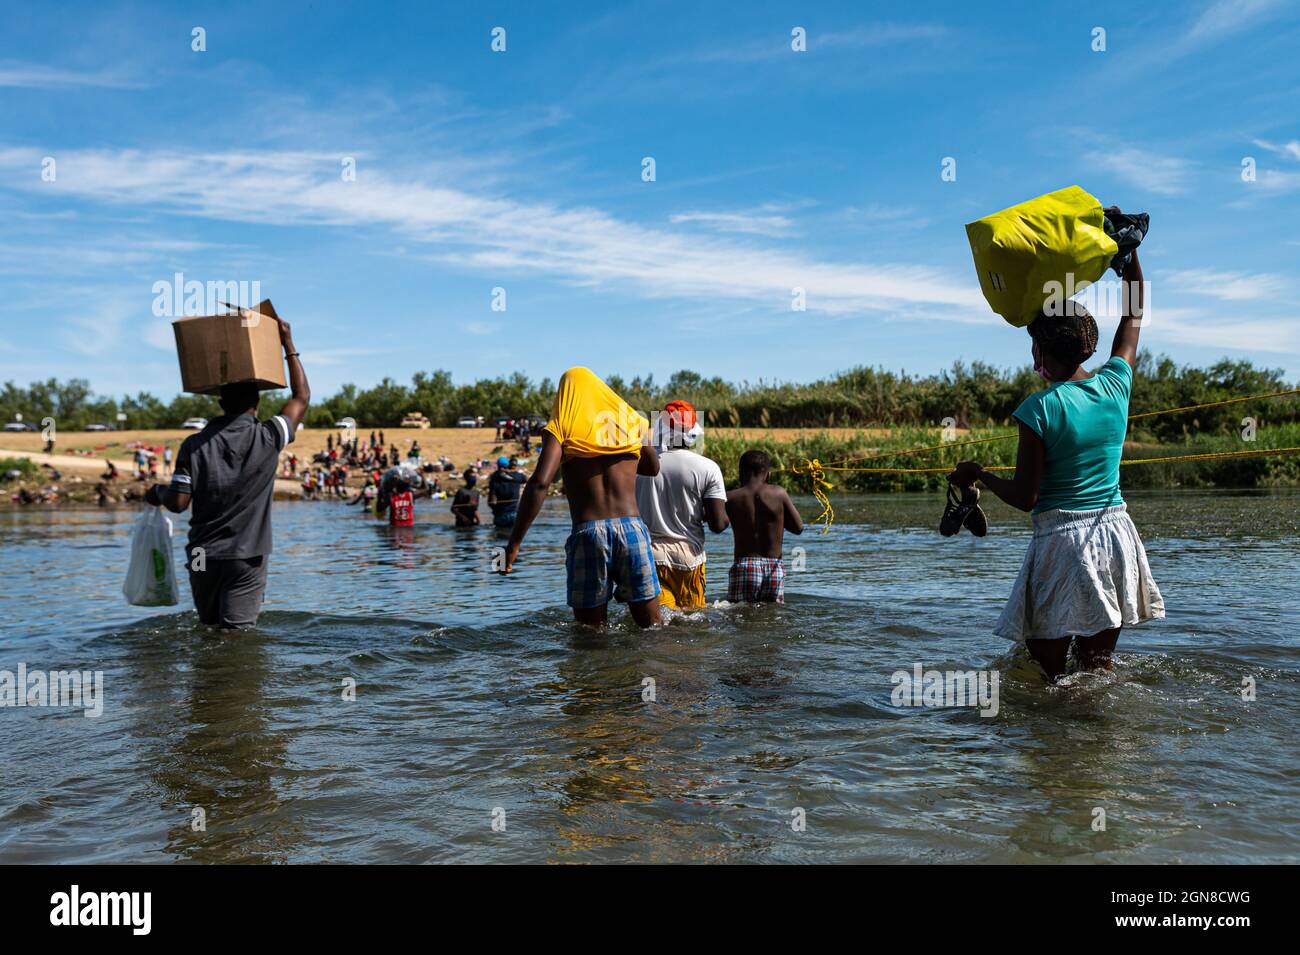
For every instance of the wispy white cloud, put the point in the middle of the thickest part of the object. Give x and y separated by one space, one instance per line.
875 215
1164 175
1225 18
582 245
1220 330
1231 326
1228 286
763 221
1290 149
158 334
875 212
879 34
95 326
111 252
42 76
860 38
1273 180
1278 180
740 62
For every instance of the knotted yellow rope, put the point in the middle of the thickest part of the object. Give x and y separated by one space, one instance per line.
820 486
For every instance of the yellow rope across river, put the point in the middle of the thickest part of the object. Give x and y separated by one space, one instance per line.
816 471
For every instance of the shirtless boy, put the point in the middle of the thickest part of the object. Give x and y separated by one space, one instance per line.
760 514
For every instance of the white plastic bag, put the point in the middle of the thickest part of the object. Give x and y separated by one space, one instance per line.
151 576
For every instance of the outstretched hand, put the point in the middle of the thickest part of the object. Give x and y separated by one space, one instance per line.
965 473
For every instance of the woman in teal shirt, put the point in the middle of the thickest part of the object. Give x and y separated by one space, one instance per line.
1086 574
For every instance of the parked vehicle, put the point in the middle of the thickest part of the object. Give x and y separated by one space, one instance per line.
467 422
194 424
415 419
20 426
99 427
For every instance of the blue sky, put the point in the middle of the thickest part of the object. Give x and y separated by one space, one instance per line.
522 170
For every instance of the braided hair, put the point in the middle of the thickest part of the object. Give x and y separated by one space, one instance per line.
1070 338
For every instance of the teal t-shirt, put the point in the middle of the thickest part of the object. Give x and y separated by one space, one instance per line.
1082 424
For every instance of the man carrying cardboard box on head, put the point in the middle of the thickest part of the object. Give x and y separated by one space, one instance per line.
227 470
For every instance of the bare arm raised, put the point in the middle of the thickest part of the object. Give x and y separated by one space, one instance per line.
1130 325
299 391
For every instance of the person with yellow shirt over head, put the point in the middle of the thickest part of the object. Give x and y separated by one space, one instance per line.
599 445
687 493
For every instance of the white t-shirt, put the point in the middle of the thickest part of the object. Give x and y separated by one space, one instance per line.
672 502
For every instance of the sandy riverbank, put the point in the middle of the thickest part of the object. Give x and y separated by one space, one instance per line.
80 456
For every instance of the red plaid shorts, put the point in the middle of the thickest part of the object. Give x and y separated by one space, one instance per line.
756 580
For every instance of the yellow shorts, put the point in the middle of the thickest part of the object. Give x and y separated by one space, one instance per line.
682 589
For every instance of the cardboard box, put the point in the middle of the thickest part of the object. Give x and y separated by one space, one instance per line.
216 350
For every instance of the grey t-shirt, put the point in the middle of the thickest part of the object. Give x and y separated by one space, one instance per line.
229 468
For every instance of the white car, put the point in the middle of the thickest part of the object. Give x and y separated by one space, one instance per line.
467 422
194 424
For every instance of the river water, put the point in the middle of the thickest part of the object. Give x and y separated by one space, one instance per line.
487 728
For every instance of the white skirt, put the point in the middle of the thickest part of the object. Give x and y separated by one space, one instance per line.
1085 571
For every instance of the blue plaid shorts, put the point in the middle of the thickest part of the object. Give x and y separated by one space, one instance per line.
610 556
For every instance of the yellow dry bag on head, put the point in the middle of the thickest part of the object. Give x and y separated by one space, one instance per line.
1053 245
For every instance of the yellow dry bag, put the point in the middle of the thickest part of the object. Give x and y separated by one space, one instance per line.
1053 245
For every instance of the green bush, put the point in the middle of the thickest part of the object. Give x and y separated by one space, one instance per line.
976 396
27 469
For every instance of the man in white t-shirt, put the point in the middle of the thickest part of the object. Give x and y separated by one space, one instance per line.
686 494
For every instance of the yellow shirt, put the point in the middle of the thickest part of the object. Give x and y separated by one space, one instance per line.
590 420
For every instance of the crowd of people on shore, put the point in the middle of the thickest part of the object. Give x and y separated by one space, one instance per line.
326 475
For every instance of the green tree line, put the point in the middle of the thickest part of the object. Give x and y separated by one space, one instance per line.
973 396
